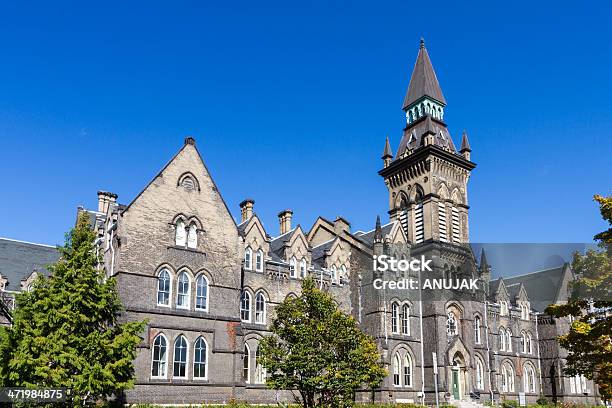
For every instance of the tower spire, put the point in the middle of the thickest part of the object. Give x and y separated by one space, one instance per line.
378 230
465 146
387 153
423 82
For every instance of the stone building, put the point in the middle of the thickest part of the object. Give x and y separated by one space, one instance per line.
208 285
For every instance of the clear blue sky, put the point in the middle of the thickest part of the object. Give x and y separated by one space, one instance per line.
290 103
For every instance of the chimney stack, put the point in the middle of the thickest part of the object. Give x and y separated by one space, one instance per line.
105 199
246 209
284 219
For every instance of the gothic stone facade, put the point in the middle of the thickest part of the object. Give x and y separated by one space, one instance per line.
208 286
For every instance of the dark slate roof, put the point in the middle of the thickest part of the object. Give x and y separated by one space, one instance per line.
19 259
387 152
423 81
513 290
242 226
319 250
368 237
465 143
493 286
542 287
278 242
414 133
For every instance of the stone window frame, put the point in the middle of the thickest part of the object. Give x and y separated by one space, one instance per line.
477 329
246 294
185 175
529 373
479 366
174 356
248 258
507 377
165 360
401 355
206 348
186 272
264 311
259 260
202 275
260 370
170 273
246 364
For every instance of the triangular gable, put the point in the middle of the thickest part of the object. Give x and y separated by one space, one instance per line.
397 234
321 231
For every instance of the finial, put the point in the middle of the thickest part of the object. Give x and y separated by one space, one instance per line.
422 42
190 140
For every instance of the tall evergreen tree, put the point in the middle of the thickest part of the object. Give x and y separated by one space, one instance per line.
589 340
66 331
319 350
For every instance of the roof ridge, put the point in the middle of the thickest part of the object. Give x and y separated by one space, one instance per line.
538 271
29 243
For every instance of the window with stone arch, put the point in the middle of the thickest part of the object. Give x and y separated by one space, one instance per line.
507 377
407 370
292 266
159 357
246 364
200 359
479 383
396 370
260 308
180 357
334 273
502 339
189 182
508 339
477 338
245 306
526 342
303 268
342 273
419 227
395 318
180 233
529 380
260 371
405 322
452 323
192 236
201 293
259 260
183 291
164 288
248 258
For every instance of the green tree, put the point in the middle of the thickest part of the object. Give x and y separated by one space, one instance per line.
66 331
589 340
319 350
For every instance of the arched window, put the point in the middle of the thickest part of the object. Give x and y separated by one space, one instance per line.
419 230
303 268
503 308
405 319
451 324
260 371
528 344
342 272
334 272
182 293
529 379
200 359
248 256
246 359
507 378
508 340
188 183
259 260
479 374
180 233
396 370
163 288
260 308
201 293
192 236
180 357
292 267
394 317
407 370
245 306
502 339
477 329
159 357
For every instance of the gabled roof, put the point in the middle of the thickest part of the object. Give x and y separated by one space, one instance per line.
19 259
423 81
414 133
542 287
368 237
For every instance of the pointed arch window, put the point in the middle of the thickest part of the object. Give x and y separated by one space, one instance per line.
292 264
394 318
419 228
502 339
200 359
479 374
451 324
260 371
192 236
507 378
182 293
303 268
396 370
259 260
334 272
163 288
477 329
260 308
180 233
407 370
159 357
246 366
248 258
529 379
245 306
201 293
180 357
405 320
508 340
342 272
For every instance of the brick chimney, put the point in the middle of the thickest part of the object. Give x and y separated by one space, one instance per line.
105 199
284 219
246 209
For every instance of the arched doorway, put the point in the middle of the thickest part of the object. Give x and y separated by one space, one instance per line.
458 378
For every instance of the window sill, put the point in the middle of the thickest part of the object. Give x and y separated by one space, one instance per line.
182 248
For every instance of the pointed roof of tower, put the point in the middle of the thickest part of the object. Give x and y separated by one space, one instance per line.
465 144
483 259
387 152
378 235
423 81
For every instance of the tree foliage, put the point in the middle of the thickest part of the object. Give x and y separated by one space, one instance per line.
66 331
318 350
589 340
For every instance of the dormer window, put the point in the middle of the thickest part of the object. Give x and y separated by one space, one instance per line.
180 233
292 264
